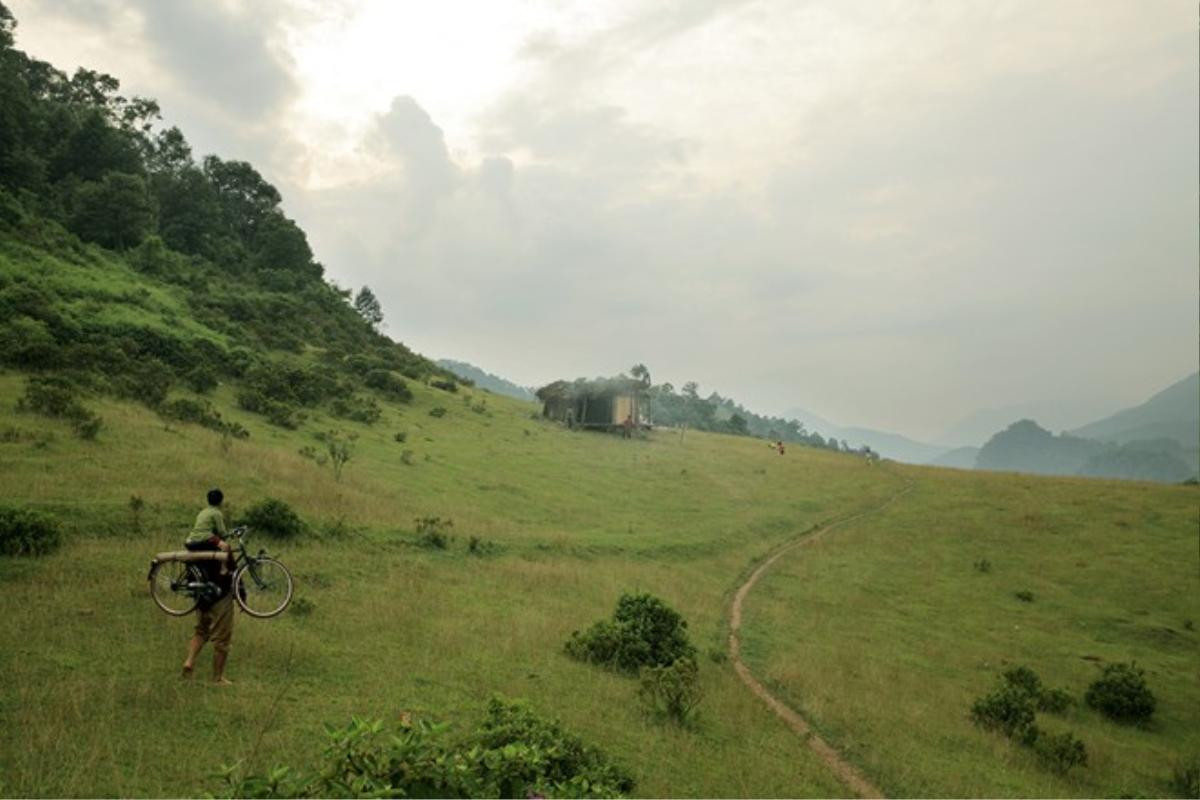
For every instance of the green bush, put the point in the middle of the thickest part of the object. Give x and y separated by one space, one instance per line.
1009 710
434 532
27 533
1055 701
437 411
1121 694
514 753
389 384
673 691
1025 680
201 412
275 518
356 408
1062 751
54 396
444 385
279 414
644 632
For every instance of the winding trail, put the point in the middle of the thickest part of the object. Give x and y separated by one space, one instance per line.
843 769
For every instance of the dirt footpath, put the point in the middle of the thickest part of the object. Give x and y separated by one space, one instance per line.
845 771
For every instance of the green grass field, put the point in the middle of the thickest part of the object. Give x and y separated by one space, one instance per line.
881 633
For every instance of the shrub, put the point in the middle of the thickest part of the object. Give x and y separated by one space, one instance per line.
87 428
1025 596
644 632
201 380
437 411
514 753
280 414
673 691
356 408
1055 701
400 437
54 396
1024 680
1062 750
1121 694
27 533
201 412
1009 710
275 518
389 384
444 385
983 565
433 532
340 447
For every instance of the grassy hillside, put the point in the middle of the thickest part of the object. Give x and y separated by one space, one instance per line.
92 703
888 631
883 634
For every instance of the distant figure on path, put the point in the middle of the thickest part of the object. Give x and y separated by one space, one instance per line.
779 447
216 614
627 427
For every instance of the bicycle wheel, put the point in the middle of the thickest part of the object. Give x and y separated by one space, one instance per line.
263 587
168 587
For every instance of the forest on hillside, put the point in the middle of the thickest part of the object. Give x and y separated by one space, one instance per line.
90 177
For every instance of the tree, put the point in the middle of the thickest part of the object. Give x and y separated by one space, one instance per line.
367 306
7 25
640 374
114 212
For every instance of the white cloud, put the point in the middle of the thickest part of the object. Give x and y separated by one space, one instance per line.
893 213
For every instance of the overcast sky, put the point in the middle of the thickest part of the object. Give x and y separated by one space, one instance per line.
894 213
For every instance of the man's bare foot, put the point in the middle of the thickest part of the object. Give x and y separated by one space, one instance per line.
187 671
222 682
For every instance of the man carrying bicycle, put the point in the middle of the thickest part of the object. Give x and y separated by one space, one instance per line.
216 613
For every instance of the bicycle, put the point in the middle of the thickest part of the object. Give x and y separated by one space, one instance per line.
262 585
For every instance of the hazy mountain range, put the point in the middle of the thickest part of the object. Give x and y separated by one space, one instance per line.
1172 417
1172 414
486 380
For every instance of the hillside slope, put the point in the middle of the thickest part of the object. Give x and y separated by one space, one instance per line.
1173 413
486 380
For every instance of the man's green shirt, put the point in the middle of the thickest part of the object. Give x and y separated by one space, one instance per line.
208 522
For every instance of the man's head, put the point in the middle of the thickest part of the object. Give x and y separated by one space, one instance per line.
215 497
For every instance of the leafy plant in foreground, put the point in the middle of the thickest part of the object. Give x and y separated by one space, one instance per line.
514 753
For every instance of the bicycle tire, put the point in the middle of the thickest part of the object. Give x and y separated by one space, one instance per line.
166 578
263 587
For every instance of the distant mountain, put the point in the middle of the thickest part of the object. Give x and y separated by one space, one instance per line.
1173 413
1027 447
977 428
486 380
959 458
888 445
892 445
